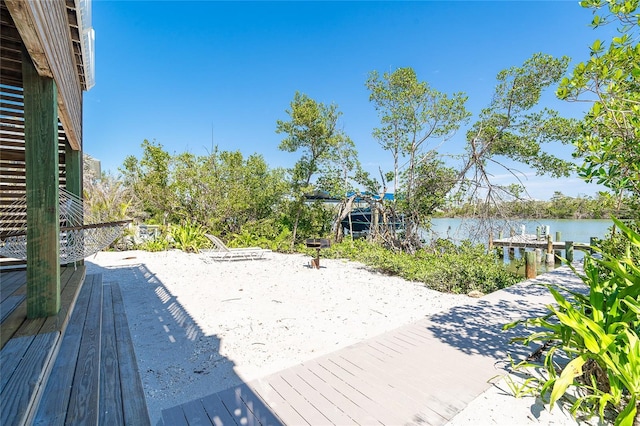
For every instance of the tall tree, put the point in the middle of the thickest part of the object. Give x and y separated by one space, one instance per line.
150 179
511 129
311 129
609 140
412 113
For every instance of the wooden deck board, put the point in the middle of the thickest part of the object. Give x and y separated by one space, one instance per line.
111 411
27 378
319 397
310 413
240 401
83 402
175 416
53 407
217 412
332 391
368 410
195 413
12 282
54 377
134 404
368 383
287 414
10 304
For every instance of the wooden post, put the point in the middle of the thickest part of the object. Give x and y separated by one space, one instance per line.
549 244
73 174
530 265
42 177
490 241
538 233
558 239
538 253
500 235
568 249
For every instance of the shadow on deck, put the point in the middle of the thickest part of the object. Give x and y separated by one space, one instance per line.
171 330
77 367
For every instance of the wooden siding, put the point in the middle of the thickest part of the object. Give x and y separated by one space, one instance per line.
12 141
44 28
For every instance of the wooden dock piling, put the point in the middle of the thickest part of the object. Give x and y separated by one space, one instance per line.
569 251
531 265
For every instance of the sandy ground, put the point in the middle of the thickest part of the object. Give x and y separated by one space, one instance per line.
200 326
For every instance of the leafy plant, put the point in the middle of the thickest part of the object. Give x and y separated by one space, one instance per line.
158 244
189 237
448 268
597 334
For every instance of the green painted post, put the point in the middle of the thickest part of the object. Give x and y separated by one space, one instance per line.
73 174
568 250
43 226
558 239
530 265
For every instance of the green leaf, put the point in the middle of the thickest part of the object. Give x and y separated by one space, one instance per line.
626 416
569 373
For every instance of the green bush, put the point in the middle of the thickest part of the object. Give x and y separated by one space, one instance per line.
598 334
189 237
443 267
159 244
267 233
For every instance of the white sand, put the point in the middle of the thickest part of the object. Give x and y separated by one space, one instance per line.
200 327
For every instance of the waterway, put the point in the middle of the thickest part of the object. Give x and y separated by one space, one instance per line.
578 231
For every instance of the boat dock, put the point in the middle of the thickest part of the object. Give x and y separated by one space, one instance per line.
539 244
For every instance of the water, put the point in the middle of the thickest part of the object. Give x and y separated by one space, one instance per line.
578 231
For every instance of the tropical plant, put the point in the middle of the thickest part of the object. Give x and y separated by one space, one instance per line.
105 198
591 340
610 81
189 237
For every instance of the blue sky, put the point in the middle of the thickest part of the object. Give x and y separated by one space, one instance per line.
173 71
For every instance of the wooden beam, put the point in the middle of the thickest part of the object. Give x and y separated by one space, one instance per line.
73 173
73 170
44 29
43 222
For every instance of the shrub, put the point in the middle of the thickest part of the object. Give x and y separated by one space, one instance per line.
444 267
598 335
189 237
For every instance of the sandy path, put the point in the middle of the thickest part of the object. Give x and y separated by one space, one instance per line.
199 327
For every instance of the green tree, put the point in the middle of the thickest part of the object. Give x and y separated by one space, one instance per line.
106 198
412 113
312 129
510 129
609 141
150 180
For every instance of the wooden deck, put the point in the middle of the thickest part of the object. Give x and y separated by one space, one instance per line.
78 367
422 373
531 241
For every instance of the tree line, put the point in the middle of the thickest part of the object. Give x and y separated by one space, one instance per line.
230 194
